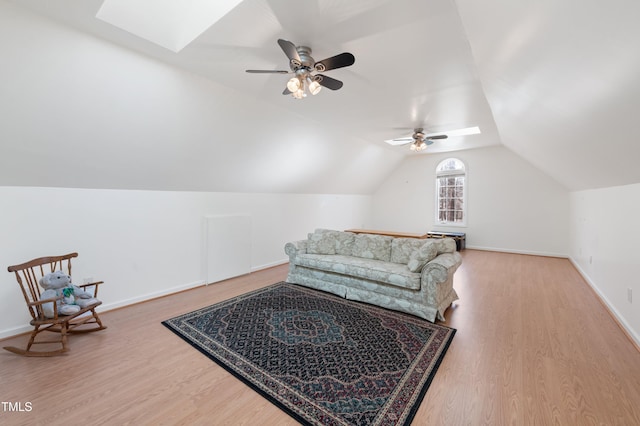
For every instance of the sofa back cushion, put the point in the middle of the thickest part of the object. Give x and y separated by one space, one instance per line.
401 249
344 243
445 245
422 256
368 246
321 243
328 241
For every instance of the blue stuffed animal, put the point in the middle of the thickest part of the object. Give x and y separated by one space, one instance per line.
71 298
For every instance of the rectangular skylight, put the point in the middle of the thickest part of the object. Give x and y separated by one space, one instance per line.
463 132
396 142
171 24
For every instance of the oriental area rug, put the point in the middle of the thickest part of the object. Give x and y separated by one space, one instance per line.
322 359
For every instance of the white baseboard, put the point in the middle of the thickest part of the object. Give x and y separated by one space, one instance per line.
619 318
149 296
529 252
10 332
269 265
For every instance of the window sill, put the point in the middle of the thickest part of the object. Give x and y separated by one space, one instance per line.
449 225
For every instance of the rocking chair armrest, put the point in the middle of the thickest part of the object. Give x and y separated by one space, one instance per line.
90 284
94 284
38 304
43 301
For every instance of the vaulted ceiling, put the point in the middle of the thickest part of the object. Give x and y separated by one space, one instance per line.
86 104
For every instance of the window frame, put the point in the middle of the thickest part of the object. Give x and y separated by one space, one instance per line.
464 173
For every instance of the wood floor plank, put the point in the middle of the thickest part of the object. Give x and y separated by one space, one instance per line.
534 346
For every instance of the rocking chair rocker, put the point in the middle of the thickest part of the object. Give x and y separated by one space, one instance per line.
28 276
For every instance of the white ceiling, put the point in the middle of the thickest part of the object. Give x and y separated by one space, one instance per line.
554 81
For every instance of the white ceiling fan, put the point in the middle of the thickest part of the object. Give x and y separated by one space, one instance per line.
419 140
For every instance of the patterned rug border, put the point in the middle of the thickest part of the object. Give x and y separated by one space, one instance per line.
419 398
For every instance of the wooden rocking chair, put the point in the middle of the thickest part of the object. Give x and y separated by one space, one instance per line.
28 275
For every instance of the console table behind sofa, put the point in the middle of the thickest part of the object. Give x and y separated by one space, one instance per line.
388 233
458 237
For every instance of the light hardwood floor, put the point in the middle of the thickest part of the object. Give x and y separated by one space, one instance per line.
534 346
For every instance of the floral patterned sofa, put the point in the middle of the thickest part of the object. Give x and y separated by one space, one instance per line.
404 274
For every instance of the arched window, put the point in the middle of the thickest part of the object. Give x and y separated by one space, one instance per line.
451 192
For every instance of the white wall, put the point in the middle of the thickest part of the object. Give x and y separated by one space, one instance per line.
604 247
511 206
145 244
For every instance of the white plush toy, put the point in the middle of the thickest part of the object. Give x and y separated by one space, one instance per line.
58 284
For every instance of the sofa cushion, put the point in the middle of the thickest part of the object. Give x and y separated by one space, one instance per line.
321 243
377 247
422 255
343 241
401 249
369 269
445 245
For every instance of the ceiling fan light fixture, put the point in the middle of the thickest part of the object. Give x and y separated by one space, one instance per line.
417 145
314 87
299 94
294 84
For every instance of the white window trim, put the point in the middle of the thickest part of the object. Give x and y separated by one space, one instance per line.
437 222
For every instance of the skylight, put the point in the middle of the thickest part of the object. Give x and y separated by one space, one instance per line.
463 132
172 24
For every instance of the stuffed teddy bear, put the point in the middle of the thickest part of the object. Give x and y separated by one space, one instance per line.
72 298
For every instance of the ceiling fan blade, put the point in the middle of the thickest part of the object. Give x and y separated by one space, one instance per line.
287 91
328 82
437 137
402 139
338 61
289 49
268 72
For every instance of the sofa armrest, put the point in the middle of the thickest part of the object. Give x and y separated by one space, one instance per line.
440 269
436 282
295 247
